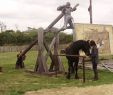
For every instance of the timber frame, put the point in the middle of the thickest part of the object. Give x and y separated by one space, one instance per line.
41 62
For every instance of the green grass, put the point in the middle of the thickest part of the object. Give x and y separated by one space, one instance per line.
17 82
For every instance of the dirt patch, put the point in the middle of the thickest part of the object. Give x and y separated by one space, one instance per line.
92 90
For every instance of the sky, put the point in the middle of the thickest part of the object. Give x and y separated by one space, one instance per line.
20 14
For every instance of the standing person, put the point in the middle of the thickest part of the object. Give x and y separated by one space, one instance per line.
94 58
68 19
20 59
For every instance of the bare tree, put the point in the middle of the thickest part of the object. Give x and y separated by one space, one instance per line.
2 26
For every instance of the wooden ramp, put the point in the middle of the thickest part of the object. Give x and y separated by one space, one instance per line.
108 65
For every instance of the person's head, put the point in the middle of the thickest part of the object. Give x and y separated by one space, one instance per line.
68 4
92 43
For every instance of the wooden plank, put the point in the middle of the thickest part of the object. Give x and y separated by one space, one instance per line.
51 45
49 52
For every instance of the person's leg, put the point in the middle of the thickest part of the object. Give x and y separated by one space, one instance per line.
71 25
95 69
65 22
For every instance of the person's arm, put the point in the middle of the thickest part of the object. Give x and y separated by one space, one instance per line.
73 10
60 8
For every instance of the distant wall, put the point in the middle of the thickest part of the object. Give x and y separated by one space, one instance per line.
102 34
18 48
15 48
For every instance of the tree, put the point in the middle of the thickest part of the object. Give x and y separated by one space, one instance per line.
2 27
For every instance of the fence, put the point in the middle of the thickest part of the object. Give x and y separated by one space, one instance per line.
15 48
18 48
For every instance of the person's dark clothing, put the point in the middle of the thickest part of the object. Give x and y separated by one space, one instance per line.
95 60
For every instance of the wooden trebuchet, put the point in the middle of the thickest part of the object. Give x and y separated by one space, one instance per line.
41 59
46 30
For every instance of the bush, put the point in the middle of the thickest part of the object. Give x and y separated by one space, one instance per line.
10 37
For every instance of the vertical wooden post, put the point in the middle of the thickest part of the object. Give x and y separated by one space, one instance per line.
56 60
83 70
41 66
58 64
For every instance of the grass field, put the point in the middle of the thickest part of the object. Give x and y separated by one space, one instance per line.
17 82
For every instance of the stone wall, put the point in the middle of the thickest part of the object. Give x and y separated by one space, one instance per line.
102 34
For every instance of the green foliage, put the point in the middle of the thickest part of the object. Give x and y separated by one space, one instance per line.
49 36
7 37
65 38
10 37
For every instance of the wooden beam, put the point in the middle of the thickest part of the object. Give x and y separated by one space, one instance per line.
71 55
51 45
111 70
41 66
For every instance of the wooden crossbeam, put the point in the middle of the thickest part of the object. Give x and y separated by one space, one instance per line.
71 55
107 67
51 45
